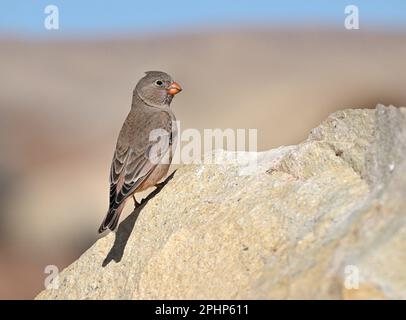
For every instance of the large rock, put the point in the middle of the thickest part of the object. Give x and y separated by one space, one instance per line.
323 219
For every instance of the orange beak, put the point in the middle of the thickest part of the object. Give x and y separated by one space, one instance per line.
174 88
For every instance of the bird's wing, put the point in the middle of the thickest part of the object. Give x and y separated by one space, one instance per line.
133 163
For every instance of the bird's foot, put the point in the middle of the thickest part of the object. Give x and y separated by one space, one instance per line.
162 184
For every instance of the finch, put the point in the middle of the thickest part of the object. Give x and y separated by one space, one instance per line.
145 145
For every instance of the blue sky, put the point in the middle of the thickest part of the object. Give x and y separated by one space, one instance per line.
101 17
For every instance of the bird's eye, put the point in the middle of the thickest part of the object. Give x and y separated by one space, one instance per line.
159 83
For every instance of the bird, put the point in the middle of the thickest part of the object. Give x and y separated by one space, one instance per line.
145 145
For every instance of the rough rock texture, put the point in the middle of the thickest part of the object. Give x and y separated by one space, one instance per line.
324 219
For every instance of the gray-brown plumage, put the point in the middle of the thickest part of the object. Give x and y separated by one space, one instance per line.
145 145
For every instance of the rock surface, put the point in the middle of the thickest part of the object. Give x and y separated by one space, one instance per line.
323 219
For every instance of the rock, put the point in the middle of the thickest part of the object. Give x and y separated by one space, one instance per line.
321 220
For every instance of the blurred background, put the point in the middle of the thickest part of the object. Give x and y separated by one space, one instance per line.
278 66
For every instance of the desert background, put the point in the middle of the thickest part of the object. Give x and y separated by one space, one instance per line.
63 98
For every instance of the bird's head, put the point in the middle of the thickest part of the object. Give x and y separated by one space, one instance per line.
157 88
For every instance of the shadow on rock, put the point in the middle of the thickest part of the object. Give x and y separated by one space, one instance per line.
125 228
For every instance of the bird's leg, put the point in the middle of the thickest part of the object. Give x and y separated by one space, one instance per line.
163 183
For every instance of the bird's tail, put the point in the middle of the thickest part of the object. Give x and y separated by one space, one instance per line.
111 219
